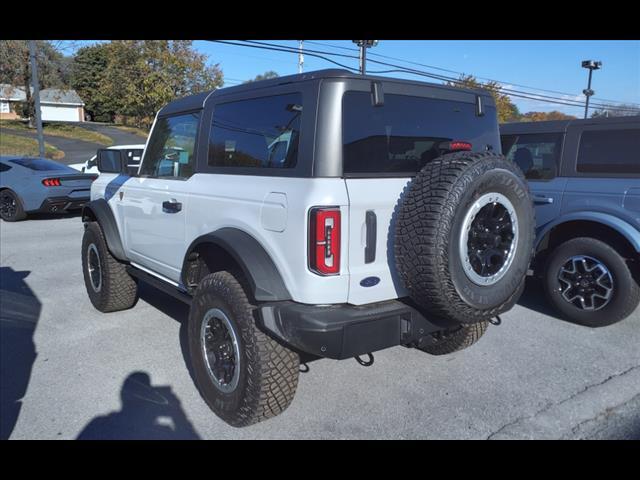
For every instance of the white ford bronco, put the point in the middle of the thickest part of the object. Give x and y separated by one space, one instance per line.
325 214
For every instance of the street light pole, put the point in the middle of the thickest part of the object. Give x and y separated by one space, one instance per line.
36 94
591 65
300 57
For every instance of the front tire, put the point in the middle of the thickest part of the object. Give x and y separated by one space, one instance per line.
590 283
243 375
108 284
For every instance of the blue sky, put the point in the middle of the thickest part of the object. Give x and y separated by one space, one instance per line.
549 65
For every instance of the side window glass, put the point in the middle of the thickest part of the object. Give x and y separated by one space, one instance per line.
609 151
170 153
537 155
259 132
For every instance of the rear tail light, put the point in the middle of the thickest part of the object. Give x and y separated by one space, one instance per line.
324 240
51 182
456 146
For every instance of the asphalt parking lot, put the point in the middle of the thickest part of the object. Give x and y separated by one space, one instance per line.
69 372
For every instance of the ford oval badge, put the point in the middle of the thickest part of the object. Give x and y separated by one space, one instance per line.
369 282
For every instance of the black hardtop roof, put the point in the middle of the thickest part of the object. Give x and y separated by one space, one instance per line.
197 101
561 125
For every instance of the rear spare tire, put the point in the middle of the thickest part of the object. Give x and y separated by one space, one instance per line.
464 236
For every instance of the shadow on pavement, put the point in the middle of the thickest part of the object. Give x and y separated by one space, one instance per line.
148 412
19 315
54 216
534 298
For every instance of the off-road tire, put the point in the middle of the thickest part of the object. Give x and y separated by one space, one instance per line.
428 229
118 290
449 341
268 371
19 213
626 292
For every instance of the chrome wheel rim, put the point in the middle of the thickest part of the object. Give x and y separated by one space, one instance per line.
585 282
94 268
489 239
220 350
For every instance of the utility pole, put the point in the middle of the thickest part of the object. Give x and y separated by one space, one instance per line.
300 56
36 94
363 45
591 65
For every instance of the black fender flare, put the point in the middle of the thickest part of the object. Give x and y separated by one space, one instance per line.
99 211
264 279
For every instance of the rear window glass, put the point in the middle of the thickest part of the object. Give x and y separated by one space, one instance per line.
405 133
41 164
537 154
260 132
609 151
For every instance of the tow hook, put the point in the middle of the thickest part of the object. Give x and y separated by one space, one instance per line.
495 321
364 363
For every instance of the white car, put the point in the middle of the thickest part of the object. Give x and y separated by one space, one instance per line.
132 152
326 214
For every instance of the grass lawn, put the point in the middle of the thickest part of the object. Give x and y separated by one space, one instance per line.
62 130
15 145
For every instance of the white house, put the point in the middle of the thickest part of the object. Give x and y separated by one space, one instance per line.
55 104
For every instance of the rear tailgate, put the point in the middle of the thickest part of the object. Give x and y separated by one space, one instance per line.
380 197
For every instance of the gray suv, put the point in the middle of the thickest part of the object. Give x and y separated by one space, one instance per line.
584 177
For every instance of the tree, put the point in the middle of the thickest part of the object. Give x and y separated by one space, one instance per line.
87 77
545 116
15 69
139 77
507 110
616 110
264 76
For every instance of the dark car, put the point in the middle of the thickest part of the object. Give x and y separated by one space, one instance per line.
584 176
30 185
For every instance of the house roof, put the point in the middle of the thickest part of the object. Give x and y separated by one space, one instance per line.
54 95
48 95
9 92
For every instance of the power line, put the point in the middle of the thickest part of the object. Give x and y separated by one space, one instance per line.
402 69
463 73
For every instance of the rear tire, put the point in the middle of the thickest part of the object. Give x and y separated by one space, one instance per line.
108 284
625 292
11 209
243 375
464 236
453 340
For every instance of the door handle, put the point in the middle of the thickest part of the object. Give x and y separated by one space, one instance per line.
171 206
542 199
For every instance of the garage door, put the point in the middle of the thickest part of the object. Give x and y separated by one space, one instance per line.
59 112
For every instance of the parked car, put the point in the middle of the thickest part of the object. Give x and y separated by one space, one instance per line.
585 180
132 153
326 214
31 185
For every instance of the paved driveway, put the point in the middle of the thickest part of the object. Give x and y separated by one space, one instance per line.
77 151
84 374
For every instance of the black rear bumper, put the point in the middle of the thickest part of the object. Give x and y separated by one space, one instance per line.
345 331
62 204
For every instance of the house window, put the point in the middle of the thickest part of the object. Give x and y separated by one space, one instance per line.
4 107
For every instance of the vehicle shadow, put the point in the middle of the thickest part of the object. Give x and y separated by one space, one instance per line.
534 298
149 412
54 216
19 315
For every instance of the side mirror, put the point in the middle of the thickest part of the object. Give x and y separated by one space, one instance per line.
110 161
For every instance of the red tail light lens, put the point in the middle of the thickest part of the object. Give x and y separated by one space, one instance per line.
457 146
51 182
324 240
